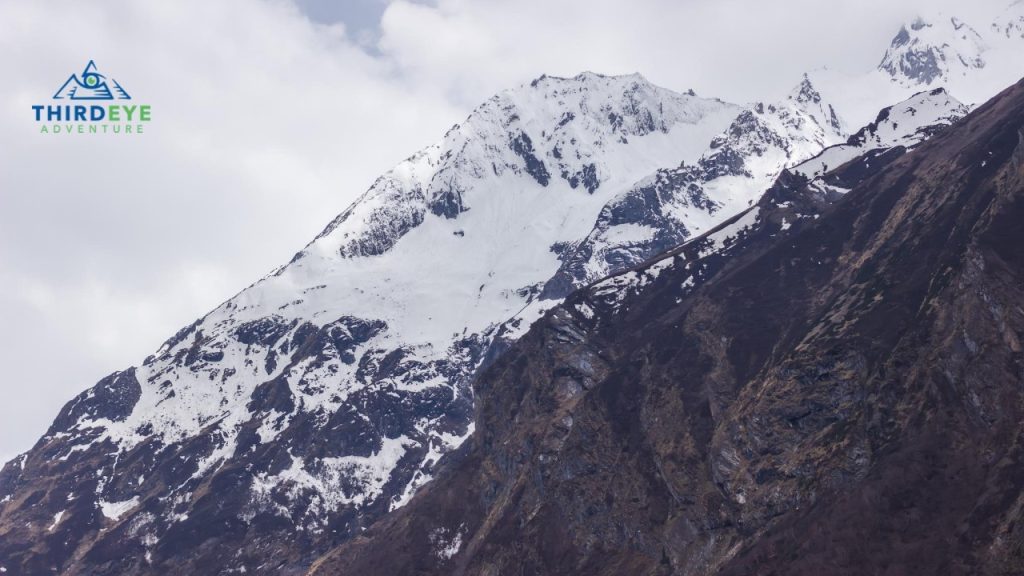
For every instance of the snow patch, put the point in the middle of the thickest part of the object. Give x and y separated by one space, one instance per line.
115 510
56 520
445 546
721 238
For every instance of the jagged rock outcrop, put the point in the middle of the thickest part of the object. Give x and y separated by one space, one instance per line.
675 204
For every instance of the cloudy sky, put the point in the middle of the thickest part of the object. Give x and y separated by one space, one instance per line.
269 117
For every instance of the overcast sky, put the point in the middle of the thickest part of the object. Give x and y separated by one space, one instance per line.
270 117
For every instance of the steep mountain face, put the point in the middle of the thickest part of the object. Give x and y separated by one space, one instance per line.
825 384
321 398
674 204
929 52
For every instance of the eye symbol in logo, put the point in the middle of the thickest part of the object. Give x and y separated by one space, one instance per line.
91 86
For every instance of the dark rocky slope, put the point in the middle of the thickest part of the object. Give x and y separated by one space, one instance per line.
818 388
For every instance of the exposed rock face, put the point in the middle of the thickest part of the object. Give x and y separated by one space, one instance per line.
826 384
675 204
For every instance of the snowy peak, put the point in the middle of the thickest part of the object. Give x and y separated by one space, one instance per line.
928 52
553 132
796 128
807 99
805 92
626 105
973 59
337 382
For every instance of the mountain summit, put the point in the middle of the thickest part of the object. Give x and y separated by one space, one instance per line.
927 53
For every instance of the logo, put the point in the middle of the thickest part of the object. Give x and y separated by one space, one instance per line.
90 85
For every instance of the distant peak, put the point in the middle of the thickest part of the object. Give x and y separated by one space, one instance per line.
588 77
923 53
805 92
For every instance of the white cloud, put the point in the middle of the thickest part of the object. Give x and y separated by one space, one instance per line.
740 50
265 125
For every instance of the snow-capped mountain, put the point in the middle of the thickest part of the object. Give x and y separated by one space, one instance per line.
323 396
927 53
973 60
